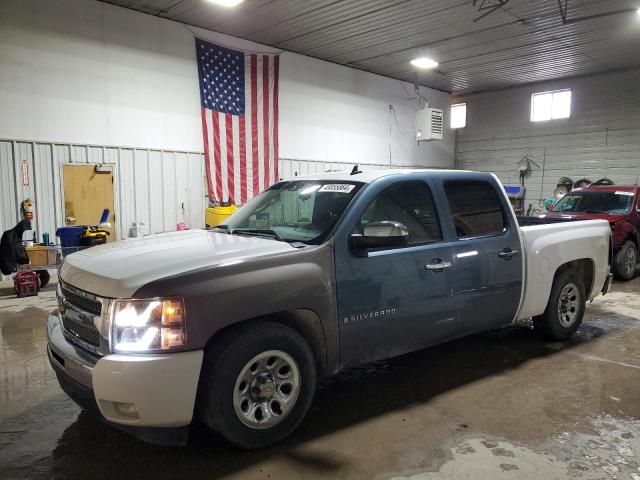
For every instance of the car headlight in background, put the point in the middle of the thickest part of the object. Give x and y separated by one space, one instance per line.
150 325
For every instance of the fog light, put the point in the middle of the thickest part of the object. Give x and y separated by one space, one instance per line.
128 410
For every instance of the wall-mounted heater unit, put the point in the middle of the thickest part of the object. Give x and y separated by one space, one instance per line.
430 124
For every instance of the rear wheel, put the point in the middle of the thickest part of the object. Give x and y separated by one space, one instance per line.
626 261
257 384
565 309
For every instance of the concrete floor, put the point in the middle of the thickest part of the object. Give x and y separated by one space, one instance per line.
498 405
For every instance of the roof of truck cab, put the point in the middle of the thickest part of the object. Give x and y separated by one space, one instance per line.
369 176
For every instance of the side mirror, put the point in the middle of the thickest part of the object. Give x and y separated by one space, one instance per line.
381 235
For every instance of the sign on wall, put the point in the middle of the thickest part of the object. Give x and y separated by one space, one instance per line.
25 173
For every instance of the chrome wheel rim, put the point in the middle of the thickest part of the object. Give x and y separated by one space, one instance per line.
266 389
630 261
569 305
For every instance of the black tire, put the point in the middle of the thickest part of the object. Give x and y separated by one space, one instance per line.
44 277
226 359
625 262
554 323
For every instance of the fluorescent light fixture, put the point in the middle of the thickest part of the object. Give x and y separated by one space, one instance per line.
424 63
227 3
638 11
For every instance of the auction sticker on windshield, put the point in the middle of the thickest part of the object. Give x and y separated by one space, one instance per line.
337 187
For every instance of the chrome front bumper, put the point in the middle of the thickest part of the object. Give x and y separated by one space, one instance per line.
67 359
160 388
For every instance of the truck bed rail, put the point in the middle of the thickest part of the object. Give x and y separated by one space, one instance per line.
524 221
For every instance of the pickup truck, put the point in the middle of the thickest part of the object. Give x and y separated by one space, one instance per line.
234 326
618 205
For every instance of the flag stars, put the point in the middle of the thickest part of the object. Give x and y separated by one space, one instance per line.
222 79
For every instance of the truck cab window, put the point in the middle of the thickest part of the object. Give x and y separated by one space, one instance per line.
411 204
476 209
297 210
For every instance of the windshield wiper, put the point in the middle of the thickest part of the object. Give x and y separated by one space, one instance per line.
594 211
259 232
263 232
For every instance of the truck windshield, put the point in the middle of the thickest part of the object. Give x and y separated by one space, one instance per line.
613 202
295 211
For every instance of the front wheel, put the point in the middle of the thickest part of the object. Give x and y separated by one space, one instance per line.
257 384
565 309
626 261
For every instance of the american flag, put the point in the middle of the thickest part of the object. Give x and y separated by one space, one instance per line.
239 107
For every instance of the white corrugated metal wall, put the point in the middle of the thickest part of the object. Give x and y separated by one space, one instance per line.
290 168
149 185
602 137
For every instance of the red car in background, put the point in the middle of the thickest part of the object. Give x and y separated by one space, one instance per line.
620 207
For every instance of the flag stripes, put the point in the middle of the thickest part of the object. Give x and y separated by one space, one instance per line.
241 149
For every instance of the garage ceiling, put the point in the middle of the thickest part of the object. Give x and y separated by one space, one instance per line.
481 45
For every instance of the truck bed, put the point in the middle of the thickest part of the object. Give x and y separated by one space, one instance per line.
548 245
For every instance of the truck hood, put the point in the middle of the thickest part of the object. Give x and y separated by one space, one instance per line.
119 269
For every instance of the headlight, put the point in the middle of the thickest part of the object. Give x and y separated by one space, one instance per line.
150 325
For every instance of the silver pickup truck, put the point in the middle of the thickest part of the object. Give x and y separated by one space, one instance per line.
235 325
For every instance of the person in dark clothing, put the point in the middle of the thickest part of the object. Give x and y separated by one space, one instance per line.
12 252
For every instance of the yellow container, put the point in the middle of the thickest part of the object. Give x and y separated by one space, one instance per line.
215 216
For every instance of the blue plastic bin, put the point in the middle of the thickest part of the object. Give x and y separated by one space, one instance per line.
69 236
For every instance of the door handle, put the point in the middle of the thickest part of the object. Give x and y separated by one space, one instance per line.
438 265
508 254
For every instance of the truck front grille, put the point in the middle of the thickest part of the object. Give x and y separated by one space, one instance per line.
84 303
86 333
78 308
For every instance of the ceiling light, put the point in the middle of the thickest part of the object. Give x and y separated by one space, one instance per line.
227 3
424 62
638 11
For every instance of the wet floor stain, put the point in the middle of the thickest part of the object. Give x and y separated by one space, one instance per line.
609 450
502 404
9 303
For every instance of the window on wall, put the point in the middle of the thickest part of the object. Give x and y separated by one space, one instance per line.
550 105
459 115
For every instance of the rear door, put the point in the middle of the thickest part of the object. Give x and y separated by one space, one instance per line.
487 256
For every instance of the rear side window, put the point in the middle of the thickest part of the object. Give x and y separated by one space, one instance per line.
476 209
411 204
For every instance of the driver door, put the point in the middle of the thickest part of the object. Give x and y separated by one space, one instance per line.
389 302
